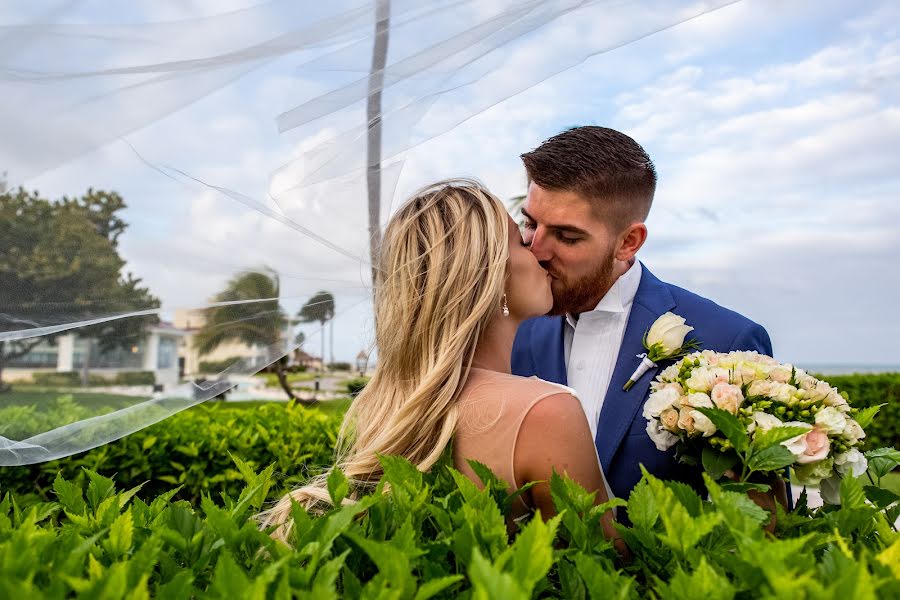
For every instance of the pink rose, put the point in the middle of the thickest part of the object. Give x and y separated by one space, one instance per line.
817 446
727 397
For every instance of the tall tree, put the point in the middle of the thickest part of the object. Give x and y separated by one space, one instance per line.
60 264
252 323
320 309
373 118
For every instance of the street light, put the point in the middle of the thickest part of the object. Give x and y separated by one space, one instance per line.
362 362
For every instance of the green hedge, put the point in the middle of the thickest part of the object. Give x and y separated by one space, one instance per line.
73 379
356 385
191 449
870 390
438 535
67 379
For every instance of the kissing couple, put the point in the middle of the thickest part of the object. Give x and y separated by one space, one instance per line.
516 345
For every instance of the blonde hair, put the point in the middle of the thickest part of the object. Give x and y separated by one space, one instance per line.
441 274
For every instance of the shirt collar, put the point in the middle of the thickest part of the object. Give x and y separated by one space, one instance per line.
619 297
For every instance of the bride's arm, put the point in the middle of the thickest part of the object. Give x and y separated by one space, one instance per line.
555 435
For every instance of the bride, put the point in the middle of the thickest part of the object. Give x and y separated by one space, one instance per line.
455 280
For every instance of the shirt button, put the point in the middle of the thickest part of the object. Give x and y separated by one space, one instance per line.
580 365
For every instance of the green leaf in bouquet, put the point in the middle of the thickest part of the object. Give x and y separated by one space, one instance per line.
879 496
865 416
776 435
771 459
730 427
882 461
338 486
715 463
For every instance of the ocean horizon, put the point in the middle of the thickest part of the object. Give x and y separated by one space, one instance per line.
848 368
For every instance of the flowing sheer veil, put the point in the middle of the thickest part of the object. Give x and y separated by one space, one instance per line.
318 105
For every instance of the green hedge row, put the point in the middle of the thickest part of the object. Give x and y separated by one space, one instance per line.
437 535
871 390
73 379
191 449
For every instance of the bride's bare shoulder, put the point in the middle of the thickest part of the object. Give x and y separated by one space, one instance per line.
525 388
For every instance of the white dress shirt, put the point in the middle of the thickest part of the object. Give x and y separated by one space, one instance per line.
592 342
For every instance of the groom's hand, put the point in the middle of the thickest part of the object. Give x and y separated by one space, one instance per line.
766 500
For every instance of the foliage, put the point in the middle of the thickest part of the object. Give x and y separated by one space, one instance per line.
318 309
67 249
871 390
217 366
254 318
439 535
356 385
340 366
190 449
66 379
135 378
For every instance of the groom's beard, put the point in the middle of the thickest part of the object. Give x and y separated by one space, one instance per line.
581 295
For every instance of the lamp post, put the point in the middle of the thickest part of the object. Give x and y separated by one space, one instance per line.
362 362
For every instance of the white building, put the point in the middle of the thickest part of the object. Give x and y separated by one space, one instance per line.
156 353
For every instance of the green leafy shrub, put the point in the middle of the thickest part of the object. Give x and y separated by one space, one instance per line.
189 449
439 535
356 385
340 366
217 366
67 379
136 378
872 390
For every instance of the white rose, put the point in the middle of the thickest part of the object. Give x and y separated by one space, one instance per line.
670 373
785 394
697 401
702 423
853 432
727 397
834 398
781 373
662 438
852 462
701 380
831 420
659 401
669 331
763 422
764 388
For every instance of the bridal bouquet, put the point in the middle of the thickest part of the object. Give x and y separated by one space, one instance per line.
749 413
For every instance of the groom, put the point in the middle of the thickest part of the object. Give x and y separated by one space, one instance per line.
590 190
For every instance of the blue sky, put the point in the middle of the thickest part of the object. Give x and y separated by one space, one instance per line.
774 127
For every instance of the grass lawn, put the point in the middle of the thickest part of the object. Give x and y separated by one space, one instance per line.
29 396
272 378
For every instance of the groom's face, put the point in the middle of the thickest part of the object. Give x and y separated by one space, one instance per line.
576 247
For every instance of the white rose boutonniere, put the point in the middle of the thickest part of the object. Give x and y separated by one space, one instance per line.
664 340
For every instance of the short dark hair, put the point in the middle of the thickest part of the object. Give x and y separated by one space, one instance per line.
603 165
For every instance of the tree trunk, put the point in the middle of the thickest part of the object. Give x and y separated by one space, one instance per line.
282 380
322 362
86 363
373 117
2 360
331 339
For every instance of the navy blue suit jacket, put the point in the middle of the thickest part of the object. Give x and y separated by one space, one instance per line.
622 440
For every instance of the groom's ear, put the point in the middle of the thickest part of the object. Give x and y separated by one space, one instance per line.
630 241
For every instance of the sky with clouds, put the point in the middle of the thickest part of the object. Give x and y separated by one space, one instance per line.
774 127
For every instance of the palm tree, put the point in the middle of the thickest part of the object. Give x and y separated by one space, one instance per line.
254 323
373 118
319 309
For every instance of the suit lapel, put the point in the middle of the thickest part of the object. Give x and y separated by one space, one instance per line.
619 407
548 351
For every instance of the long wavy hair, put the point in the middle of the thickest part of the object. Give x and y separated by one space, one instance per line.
441 274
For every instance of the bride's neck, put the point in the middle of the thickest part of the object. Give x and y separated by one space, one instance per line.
494 350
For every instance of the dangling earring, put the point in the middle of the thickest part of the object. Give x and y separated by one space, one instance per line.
505 307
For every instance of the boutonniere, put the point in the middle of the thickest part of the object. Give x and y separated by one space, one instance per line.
663 341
